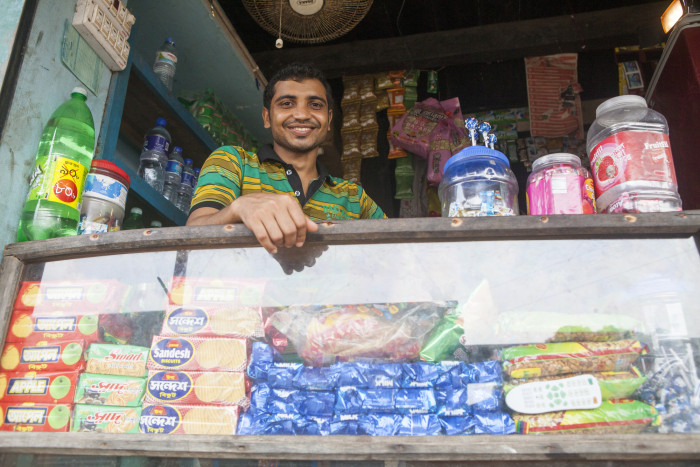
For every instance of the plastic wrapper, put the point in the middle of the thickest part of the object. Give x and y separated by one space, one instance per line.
69 298
419 375
382 81
366 87
351 115
411 78
382 100
613 384
352 169
458 425
189 419
352 374
384 375
112 359
419 425
415 401
284 375
474 398
262 356
57 356
292 401
494 423
241 321
621 416
380 424
388 331
443 340
197 354
482 372
317 378
196 388
449 374
43 387
368 141
35 417
105 419
30 329
396 96
351 89
123 391
351 144
526 361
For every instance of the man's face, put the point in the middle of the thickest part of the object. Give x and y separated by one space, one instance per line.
299 116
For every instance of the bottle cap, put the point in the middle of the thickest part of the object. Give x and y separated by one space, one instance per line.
188 161
177 149
160 122
156 223
79 90
136 210
556 158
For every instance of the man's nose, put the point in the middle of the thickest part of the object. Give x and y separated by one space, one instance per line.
301 112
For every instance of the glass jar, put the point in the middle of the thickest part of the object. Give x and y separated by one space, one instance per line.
559 184
478 182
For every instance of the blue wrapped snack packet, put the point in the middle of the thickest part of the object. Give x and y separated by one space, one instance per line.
419 375
311 425
280 424
384 375
262 356
348 400
259 395
484 397
283 401
463 425
283 375
319 403
452 402
348 424
380 424
419 425
316 378
415 401
482 372
259 423
250 423
493 423
378 400
449 374
351 374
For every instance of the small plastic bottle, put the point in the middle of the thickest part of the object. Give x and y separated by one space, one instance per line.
156 145
185 190
196 177
166 63
173 174
134 220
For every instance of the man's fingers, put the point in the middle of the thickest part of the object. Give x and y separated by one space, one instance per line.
260 230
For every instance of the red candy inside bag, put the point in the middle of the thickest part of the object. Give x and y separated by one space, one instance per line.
324 334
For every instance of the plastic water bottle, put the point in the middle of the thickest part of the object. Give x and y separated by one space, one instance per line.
156 145
134 220
173 174
165 63
185 190
196 178
61 165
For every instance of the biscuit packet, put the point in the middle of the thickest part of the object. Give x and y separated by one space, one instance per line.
105 419
70 297
57 356
30 329
113 359
32 416
122 391
189 419
241 321
43 387
198 354
196 388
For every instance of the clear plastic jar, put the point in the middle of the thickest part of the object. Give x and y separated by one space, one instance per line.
478 182
104 198
631 159
559 184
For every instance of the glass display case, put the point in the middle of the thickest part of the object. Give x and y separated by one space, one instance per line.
489 339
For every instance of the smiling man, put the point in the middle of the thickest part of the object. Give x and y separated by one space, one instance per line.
280 192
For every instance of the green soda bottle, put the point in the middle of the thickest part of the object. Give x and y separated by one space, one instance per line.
62 163
134 220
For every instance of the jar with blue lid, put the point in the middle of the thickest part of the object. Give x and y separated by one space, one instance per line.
477 182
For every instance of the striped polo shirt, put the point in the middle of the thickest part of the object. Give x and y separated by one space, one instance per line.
230 172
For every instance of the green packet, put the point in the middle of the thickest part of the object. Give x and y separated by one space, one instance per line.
123 391
444 339
106 418
111 359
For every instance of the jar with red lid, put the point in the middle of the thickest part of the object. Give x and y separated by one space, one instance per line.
559 184
104 198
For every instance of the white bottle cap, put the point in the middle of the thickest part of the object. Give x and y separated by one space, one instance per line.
136 210
80 90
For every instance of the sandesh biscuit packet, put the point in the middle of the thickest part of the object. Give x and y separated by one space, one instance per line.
29 329
198 354
56 356
39 387
189 419
105 419
196 387
31 416
112 359
239 321
122 391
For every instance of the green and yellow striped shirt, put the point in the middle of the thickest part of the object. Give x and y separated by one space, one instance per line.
230 172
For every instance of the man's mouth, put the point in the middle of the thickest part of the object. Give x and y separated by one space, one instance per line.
300 130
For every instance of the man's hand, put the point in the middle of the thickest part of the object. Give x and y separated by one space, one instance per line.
275 219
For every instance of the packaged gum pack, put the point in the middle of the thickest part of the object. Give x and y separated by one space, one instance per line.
30 329
70 297
57 356
198 354
239 321
30 416
196 387
43 387
105 419
120 360
189 419
121 391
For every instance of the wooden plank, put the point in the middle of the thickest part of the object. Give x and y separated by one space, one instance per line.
636 448
650 225
10 271
602 29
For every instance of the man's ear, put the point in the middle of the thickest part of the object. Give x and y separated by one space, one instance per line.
330 118
266 117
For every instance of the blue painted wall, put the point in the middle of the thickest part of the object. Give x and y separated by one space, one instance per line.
43 84
11 11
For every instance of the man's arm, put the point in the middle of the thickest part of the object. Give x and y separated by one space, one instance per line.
275 219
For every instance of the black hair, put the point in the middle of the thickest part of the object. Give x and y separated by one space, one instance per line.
296 72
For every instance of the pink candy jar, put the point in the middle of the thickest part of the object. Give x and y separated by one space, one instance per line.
559 184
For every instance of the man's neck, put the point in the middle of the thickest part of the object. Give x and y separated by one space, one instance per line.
303 163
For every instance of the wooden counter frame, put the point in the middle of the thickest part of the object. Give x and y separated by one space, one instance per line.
637 447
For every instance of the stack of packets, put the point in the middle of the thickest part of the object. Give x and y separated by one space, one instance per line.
196 378
109 393
376 399
50 327
360 128
610 362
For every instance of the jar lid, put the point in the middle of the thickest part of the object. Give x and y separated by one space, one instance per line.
474 151
556 158
620 101
107 165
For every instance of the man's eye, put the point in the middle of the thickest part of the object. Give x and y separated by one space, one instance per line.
316 105
285 104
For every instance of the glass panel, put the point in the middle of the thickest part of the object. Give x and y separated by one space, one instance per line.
513 312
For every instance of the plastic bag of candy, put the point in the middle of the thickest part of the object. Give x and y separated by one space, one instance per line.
391 332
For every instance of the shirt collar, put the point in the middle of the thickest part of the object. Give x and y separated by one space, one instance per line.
267 153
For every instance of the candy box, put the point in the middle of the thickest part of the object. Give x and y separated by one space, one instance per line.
57 356
189 419
214 292
30 416
196 387
106 418
43 387
112 359
70 297
122 391
192 354
239 321
29 329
